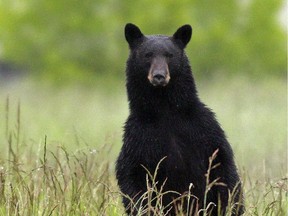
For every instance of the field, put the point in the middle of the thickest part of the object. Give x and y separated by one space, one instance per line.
58 146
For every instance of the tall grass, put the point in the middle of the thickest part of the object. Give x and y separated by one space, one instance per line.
58 147
37 181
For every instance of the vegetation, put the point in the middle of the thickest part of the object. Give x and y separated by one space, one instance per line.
67 40
58 148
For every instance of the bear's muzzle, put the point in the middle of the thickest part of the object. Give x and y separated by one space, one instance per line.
159 72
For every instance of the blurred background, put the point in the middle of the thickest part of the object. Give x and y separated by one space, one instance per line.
66 40
62 71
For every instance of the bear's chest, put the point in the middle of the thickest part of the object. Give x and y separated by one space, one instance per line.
172 140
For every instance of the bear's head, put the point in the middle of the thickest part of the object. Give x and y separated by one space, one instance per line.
156 58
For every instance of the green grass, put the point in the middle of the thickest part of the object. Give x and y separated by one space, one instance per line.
58 146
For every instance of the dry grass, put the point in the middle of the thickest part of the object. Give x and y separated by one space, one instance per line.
63 163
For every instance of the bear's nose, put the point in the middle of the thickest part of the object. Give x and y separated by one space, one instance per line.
159 78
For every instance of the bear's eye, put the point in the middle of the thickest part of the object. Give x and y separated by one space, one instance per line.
149 55
168 55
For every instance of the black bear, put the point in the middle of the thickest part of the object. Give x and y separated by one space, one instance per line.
168 123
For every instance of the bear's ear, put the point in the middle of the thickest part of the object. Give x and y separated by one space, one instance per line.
183 35
132 34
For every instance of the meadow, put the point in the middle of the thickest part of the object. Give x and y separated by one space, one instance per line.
59 145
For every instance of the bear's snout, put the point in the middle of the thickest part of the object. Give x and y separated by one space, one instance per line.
159 73
159 78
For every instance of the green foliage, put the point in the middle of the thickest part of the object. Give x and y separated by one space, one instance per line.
64 40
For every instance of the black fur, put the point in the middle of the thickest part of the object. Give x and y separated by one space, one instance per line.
171 122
